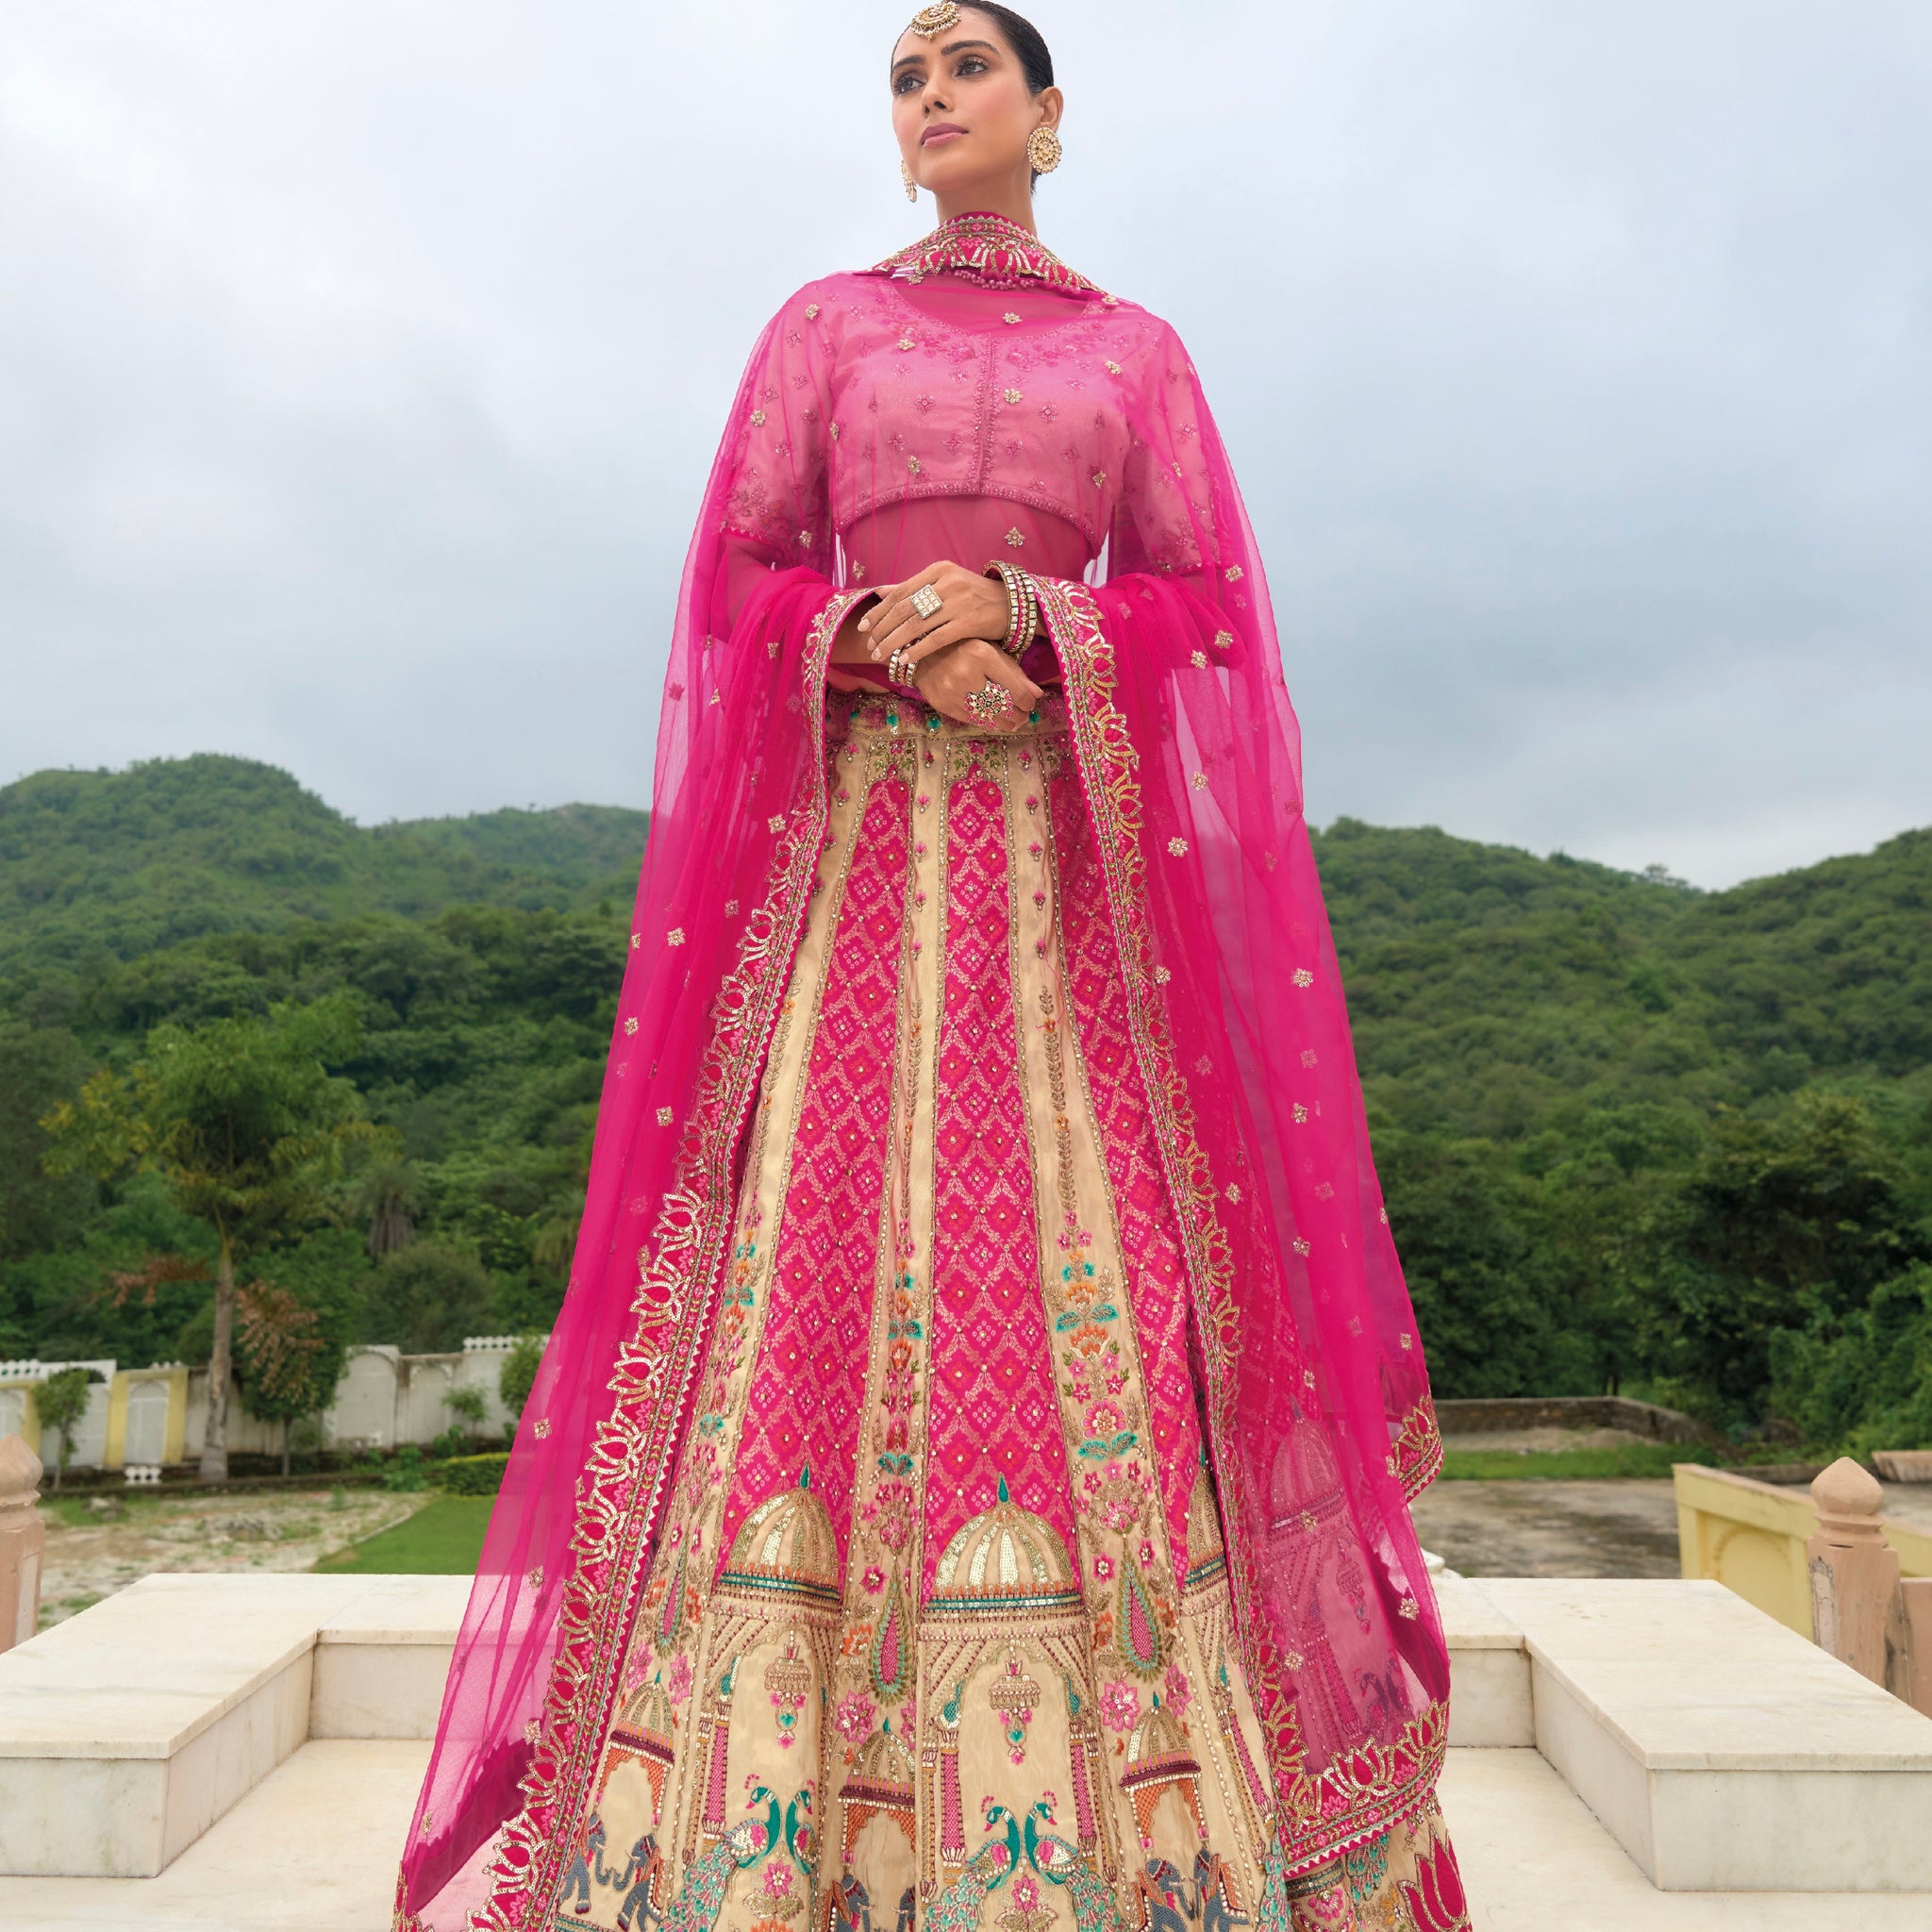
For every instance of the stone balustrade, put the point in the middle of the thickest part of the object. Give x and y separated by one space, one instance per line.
1751 1537
22 1538
1864 1609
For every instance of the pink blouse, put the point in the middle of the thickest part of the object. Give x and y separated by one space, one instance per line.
891 425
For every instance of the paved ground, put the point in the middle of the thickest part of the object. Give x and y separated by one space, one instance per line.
1625 1529
93 1553
1622 1528
1606 1528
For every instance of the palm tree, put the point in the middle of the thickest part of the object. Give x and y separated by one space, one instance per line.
242 1119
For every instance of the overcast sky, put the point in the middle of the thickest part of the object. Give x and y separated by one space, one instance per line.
361 363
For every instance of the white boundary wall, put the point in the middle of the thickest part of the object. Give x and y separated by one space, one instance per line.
385 1399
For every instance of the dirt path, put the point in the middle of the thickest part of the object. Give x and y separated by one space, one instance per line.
93 1552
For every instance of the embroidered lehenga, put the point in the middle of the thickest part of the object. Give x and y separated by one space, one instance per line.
967 1487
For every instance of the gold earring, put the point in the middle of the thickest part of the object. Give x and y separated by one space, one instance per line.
1044 149
912 186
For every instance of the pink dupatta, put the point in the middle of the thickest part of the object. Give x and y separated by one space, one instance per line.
1320 1423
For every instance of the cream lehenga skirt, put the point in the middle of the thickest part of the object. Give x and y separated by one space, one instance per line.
939 1629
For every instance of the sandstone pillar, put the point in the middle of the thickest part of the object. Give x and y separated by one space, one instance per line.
1856 1610
22 1537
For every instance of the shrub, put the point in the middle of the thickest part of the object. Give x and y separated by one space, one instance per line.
519 1374
471 1476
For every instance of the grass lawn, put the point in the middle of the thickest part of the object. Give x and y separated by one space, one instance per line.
1567 1465
442 1538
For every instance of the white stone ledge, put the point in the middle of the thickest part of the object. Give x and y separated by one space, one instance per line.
127 1731
1723 1752
1489 1696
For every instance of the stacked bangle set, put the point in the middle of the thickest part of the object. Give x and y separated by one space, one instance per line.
1023 621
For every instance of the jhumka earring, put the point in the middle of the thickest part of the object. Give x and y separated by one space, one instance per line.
1043 150
912 186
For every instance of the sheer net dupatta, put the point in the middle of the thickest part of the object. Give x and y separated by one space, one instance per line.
1319 1417
738 816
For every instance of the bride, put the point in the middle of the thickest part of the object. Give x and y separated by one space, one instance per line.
968 1483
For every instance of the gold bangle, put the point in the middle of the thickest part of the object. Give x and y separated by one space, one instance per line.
1016 603
1031 600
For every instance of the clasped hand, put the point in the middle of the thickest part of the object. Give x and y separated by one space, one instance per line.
952 653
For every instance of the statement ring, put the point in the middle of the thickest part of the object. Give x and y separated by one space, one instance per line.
927 601
992 700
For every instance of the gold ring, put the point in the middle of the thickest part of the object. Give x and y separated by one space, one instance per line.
992 700
927 601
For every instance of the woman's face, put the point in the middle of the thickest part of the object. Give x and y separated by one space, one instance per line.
960 108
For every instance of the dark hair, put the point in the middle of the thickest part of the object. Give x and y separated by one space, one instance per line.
1025 41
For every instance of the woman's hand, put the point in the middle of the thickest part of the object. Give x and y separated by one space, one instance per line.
952 655
970 607
953 675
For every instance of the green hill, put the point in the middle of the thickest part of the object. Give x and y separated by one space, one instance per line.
99 865
1632 1134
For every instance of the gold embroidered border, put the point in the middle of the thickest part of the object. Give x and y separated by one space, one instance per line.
1415 1456
625 1477
1355 1796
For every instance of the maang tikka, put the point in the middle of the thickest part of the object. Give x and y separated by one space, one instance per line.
929 20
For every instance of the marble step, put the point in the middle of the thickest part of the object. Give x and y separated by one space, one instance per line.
1723 1752
128 1730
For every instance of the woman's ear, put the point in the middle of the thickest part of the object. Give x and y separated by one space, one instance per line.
1053 104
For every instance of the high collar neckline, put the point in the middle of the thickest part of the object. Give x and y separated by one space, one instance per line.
991 250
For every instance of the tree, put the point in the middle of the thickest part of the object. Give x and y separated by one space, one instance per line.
289 1360
60 1402
242 1117
391 1198
426 1297
469 1405
518 1376
38 1069
1790 1221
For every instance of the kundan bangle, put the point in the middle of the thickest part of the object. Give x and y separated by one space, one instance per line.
1023 609
899 673
1032 612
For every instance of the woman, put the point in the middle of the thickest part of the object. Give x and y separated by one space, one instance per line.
968 1482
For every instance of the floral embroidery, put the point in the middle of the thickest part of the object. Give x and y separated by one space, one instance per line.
1120 1706
989 249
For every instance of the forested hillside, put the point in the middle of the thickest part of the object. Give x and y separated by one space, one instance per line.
1632 1135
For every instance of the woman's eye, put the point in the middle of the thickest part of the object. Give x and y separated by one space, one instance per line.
972 63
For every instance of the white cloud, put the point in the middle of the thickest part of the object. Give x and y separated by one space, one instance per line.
360 366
